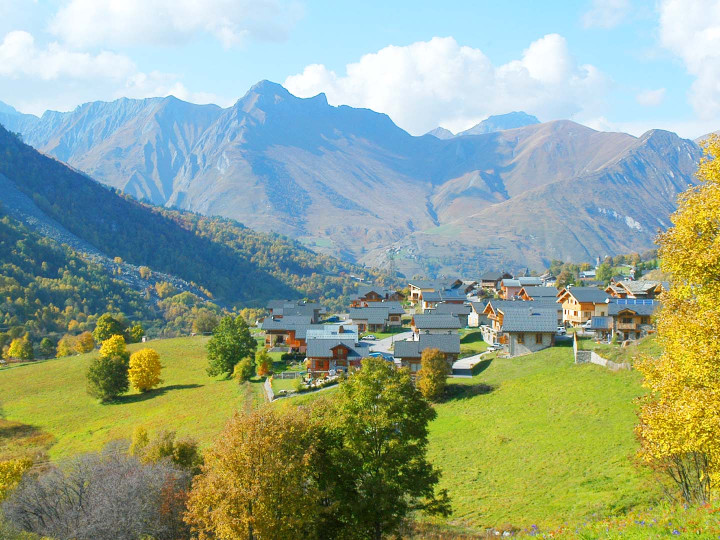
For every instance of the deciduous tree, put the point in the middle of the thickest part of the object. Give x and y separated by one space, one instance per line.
263 363
433 374
145 369
66 346
231 342
47 347
108 326
84 343
21 348
680 415
11 472
382 425
257 480
107 375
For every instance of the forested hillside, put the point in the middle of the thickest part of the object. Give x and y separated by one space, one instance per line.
236 265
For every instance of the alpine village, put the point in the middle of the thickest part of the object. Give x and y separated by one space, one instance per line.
375 301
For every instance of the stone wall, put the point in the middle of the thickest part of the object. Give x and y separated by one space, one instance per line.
591 357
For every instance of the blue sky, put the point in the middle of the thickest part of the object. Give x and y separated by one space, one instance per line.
611 64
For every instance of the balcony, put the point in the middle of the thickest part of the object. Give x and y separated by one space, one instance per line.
627 326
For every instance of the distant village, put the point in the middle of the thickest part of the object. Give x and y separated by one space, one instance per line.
516 315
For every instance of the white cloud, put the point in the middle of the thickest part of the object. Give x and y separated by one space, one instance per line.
651 98
19 56
119 23
606 13
691 30
52 76
439 82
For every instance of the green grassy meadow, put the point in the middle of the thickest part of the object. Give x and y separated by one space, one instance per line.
530 440
471 343
539 440
49 397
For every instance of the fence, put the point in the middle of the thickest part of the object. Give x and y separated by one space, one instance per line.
290 374
591 357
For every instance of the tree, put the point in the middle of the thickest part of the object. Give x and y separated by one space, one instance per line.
263 363
21 348
165 289
680 414
604 272
107 375
244 370
145 368
205 321
66 346
382 424
257 480
145 272
136 333
231 342
103 496
84 343
47 347
184 453
433 374
11 472
106 327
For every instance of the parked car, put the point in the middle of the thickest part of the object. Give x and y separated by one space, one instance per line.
370 337
561 331
588 324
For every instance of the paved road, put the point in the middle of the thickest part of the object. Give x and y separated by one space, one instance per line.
383 345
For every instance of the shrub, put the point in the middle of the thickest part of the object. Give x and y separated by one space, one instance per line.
263 363
244 370
433 374
184 453
145 368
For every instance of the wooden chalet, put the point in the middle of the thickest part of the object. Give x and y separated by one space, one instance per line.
643 289
378 317
409 353
628 318
580 304
490 281
435 324
368 295
510 288
520 327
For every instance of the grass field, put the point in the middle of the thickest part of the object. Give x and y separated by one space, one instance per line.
616 353
539 440
471 343
531 440
49 399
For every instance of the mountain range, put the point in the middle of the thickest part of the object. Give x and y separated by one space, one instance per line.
508 193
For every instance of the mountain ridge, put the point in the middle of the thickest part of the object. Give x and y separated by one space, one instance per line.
342 180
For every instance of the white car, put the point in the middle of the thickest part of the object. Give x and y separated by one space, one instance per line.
561 331
370 338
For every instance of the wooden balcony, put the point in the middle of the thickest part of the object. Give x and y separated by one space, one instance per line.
627 326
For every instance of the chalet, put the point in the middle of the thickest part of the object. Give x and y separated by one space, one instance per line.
461 311
287 332
645 289
435 324
538 293
449 296
490 281
468 286
378 317
418 287
368 295
295 308
510 288
588 274
520 327
409 353
629 318
580 304
328 355
477 317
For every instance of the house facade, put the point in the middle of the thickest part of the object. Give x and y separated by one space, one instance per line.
510 288
409 353
378 317
580 304
520 327
368 296
434 324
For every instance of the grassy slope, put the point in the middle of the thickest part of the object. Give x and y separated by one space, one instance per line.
551 442
51 397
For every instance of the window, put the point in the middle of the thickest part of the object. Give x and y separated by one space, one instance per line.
521 338
414 367
538 339
627 320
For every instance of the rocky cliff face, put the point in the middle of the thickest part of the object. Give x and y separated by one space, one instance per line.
351 183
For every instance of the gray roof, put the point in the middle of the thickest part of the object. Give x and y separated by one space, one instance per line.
541 292
589 294
640 286
322 348
332 331
507 304
443 295
447 343
640 307
532 319
491 276
523 281
479 307
441 322
451 309
373 315
285 323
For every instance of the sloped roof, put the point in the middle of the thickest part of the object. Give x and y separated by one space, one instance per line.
433 322
322 348
479 307
532 319
588 294
601 323
451 309
443 295
285 323
491 276
643 308
538 291
447 343
373 315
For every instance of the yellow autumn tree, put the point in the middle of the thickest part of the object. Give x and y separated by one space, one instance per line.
433 374
257 480
11 472
145 368
680 415
84 343
66 346
113 346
